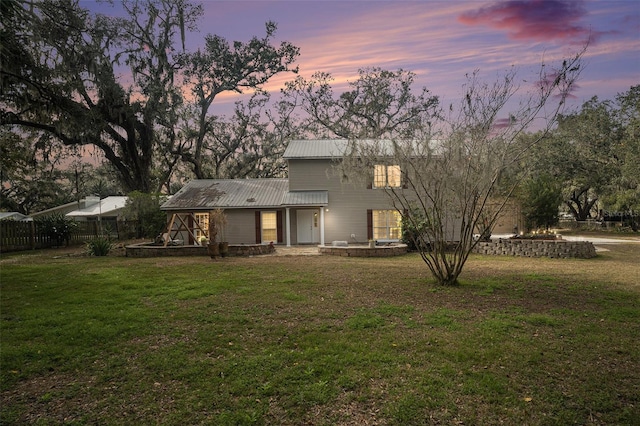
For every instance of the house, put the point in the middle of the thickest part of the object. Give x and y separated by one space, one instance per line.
17 216
68 207
314 205
96 209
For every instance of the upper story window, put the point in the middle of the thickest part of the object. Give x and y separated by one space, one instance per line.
386 176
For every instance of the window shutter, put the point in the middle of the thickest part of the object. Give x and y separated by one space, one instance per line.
258 232
370 185
369 224
279 226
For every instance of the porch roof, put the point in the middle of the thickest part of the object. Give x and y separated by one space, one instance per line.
209 194
306 198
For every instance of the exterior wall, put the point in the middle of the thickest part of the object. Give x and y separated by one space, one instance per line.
510 219
240 227
348 203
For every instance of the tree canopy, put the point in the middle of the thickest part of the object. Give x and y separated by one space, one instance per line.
593 154
117 86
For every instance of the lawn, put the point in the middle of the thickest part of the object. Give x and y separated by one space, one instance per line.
319 341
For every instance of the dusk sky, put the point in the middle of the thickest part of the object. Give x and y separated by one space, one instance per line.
440 41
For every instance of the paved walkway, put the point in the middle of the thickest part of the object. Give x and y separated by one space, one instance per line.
306 250
601 240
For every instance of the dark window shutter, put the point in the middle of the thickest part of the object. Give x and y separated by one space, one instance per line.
369 224
370 185
258 230
279 225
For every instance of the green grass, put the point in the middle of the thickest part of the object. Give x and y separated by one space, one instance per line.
319 340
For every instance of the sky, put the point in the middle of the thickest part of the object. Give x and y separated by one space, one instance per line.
441 41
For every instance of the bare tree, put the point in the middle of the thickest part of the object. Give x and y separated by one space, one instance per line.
378 104
451 172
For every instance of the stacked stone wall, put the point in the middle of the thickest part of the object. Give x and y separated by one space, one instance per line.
538 248
363 251
251 249
149 250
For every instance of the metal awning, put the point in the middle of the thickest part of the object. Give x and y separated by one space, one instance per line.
305 198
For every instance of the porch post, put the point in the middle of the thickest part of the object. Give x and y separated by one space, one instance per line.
288 226
322 225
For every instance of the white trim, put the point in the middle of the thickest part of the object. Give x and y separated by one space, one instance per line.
288 225
321 226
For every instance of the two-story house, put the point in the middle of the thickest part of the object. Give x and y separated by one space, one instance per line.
314 205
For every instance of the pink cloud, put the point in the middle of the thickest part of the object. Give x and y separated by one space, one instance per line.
542 20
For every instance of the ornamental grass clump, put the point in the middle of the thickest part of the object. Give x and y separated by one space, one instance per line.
101 246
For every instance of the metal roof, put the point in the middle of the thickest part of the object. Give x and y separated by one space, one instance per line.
306 198
106 206
316 148
209 194
337 148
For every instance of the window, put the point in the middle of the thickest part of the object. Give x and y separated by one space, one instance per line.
387 225
386 176
269 227
202 219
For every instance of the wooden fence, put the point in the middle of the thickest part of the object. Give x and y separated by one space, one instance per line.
16 236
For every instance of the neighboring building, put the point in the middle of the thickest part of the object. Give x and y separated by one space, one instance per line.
312 206
18 217
68 207
95 209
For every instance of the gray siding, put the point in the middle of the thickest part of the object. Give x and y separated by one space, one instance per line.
241 226
348 203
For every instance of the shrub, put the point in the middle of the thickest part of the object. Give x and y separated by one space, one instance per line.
57 227
145 210
101 246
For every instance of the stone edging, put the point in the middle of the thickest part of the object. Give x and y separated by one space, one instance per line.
364 251
147 250
538 248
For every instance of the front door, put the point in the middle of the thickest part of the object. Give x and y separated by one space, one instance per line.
307 225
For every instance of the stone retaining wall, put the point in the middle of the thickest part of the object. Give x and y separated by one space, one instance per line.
364 251
538 248
251 249
149 250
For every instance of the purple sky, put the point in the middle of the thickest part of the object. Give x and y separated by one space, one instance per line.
442 40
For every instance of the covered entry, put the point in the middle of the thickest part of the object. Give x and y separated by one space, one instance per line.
308 226
309 215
